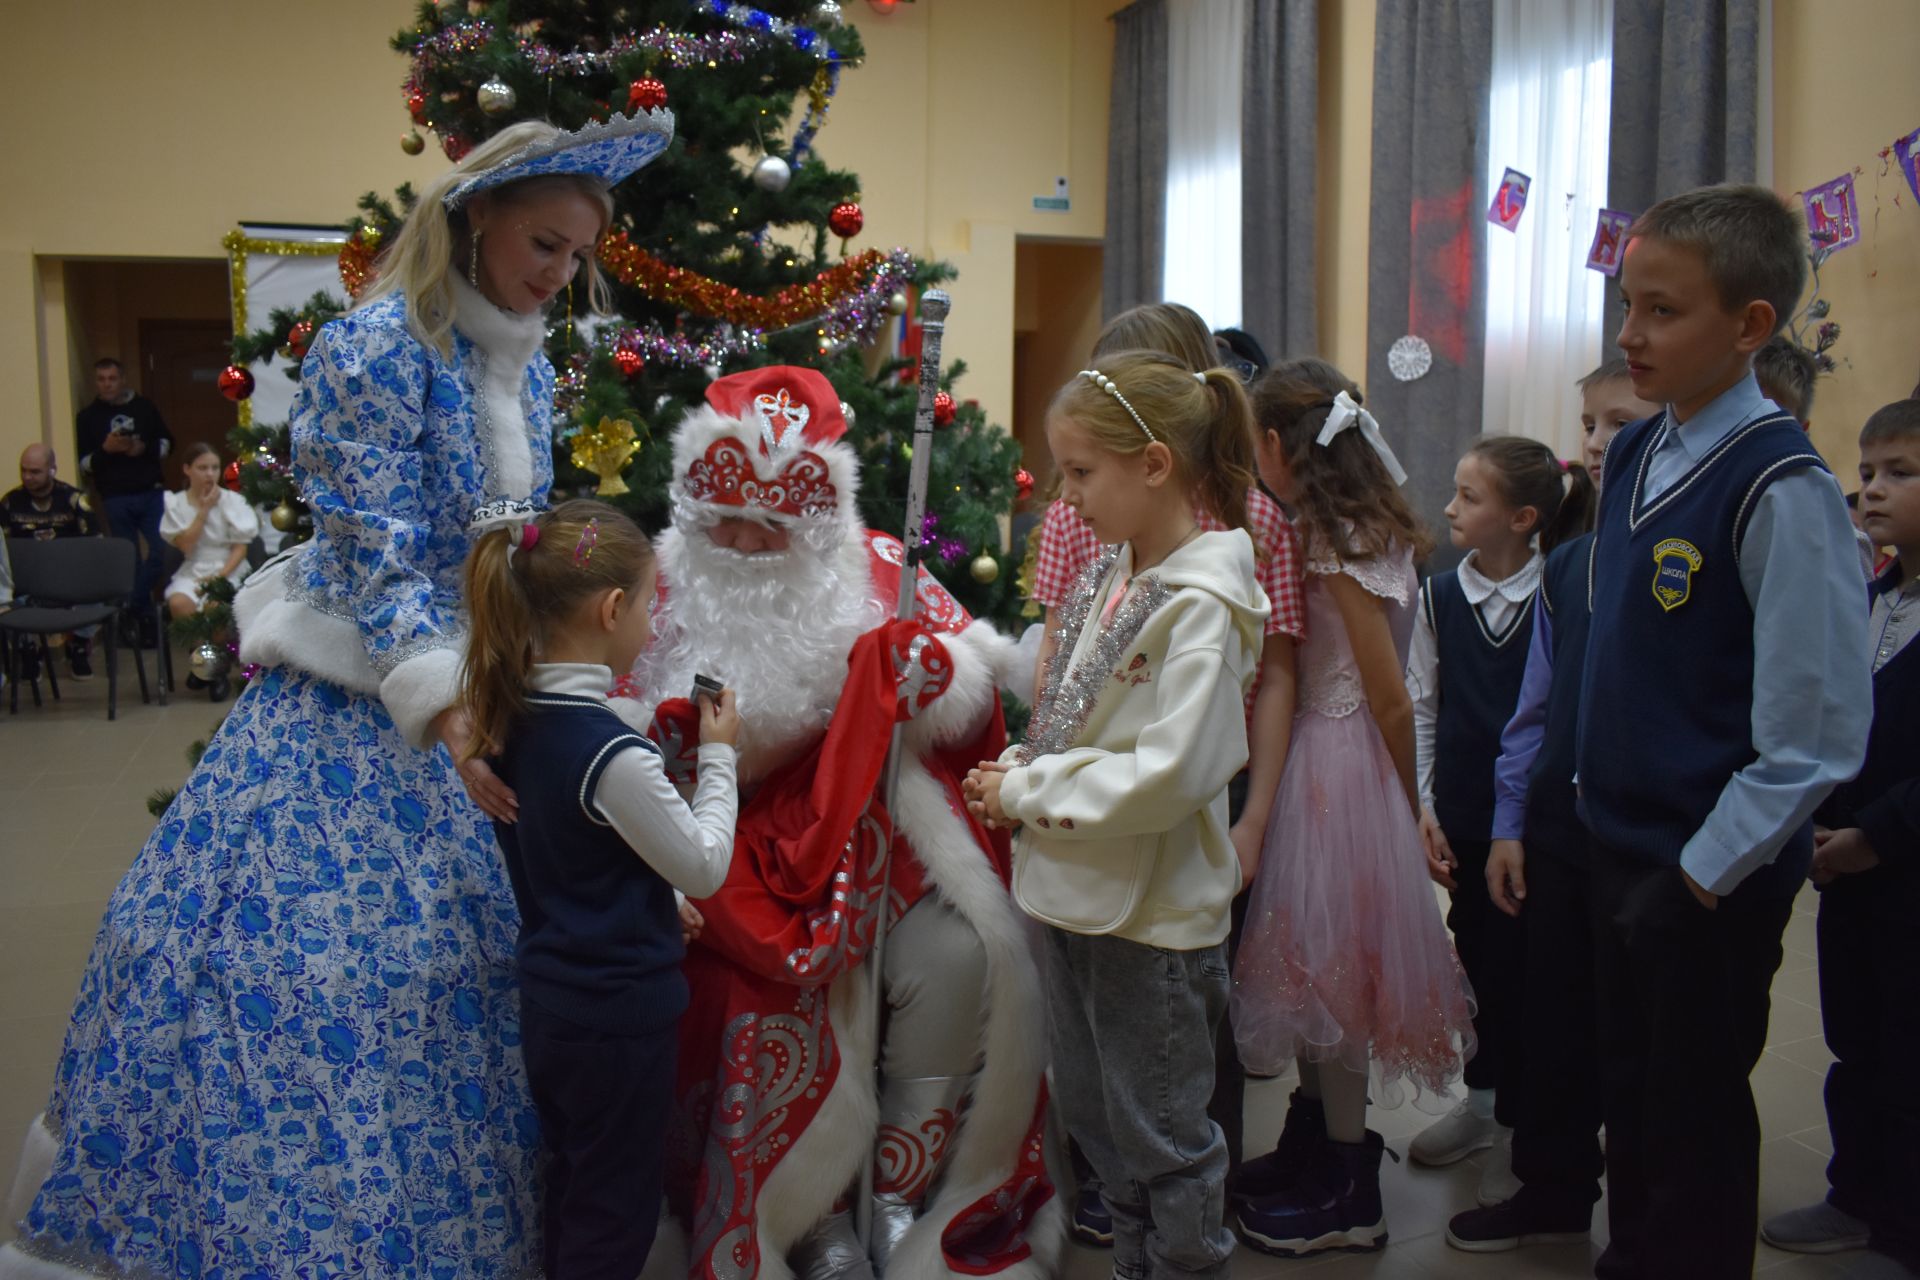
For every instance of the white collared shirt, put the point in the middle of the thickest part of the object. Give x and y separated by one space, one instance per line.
1499 603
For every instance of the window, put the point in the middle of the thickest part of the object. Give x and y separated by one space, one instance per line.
1205 44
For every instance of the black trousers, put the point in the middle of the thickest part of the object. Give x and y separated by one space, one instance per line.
604 1102
1493 951
1869 974
1556 1145
1684 996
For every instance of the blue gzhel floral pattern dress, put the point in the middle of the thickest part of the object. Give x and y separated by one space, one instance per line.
295 1050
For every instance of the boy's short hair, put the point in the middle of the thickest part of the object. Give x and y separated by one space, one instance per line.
108 362
1754 246
1895 421
1608 371
1786 372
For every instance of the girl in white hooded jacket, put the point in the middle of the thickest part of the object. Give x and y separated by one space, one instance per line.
1119 792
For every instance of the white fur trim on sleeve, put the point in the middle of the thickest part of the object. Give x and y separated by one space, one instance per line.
277 630
419 689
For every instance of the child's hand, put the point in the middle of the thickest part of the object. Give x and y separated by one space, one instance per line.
1507 876
1841 853
1441 862
1247 842
691 922
719 719
982 789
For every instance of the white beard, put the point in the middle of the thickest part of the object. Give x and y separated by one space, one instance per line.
776 627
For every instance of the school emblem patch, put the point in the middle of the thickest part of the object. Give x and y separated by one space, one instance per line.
1674 563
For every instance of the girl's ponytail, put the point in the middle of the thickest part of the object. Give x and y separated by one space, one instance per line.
1225 469
493 678
1576 512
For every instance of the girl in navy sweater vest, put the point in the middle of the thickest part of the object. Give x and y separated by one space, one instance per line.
1469 652
598 845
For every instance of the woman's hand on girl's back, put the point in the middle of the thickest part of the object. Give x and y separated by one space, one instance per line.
719 719
495 798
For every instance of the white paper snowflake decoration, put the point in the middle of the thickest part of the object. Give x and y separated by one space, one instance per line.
1409 358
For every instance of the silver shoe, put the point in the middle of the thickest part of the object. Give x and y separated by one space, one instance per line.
831 1251
917 1122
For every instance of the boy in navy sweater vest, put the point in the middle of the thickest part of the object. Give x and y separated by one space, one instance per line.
1722 699
1867 864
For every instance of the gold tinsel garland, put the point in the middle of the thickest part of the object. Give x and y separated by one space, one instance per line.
239 246
689 290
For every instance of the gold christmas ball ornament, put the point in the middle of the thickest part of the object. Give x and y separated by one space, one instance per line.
285 518
897 304
605 450
984 568
205 662
412 143
495 96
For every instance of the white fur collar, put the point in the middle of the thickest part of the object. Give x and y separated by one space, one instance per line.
506 336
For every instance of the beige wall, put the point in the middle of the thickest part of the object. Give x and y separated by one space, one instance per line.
1842 90
1843 86
171 122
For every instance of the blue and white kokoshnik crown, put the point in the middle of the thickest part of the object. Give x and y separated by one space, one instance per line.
610 150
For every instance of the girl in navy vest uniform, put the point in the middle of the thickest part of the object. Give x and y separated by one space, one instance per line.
600 843
1345 966
1469 651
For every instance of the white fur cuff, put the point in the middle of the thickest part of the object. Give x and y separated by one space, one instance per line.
279 631
419 689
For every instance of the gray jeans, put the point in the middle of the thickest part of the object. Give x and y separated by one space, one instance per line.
1133 1029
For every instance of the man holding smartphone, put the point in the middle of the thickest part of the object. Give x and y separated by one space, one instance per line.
122 441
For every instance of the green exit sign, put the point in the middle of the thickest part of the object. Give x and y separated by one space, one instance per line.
1052 204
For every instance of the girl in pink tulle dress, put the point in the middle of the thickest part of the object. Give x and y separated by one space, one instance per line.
1345 965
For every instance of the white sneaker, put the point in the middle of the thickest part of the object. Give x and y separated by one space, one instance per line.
1453 1138
1497 1183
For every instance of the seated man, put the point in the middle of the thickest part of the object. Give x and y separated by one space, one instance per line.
45 507
771 583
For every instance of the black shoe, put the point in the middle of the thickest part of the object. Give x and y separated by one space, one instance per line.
1335 1204
1302 1136
1516 1223
80 658
218 689
1092 1224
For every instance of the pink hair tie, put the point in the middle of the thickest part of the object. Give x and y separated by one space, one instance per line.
529 536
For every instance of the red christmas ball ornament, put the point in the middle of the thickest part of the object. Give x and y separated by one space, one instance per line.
230 478
299 338
455 146
943 409
235 383
647 94
417 104
1023 484
629 361
846 220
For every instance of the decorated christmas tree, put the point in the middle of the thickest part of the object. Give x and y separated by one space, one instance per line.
739 248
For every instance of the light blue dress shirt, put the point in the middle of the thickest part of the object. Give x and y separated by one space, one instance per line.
1812 688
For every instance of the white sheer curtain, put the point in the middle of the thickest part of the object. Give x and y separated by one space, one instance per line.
1205 43
1552 84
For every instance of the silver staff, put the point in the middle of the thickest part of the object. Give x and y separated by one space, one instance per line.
933 325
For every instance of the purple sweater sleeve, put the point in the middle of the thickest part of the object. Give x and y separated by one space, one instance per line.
1520 740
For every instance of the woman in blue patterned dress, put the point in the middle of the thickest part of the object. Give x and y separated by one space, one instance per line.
295 1049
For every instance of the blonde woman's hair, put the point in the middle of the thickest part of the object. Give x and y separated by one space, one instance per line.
515 600
1202 416
1171 327
422 258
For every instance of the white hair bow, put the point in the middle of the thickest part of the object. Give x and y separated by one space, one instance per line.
1346 413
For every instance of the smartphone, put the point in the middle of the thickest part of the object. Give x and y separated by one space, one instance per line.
706 685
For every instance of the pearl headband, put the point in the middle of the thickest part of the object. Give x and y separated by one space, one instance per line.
1106 384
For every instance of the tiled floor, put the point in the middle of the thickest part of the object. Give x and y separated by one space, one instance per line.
73 792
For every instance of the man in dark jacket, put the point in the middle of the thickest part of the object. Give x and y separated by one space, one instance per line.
122 441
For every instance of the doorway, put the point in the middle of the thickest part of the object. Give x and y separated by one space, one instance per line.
180 364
